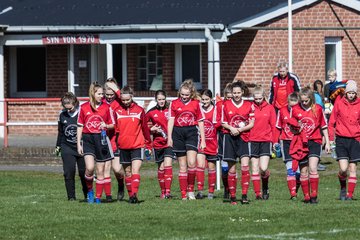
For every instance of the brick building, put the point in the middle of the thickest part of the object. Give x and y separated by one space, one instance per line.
51 48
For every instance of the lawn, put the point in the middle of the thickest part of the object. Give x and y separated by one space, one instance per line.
33 205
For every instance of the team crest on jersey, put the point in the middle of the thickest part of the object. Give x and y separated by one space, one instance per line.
208 128
65 121
93 123
238 121
308 124
186 119
71 133
88 113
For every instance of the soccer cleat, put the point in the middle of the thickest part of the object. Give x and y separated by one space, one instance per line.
265 194
210 196
168 196
191 196
313 200
72 199
162 196
226 194
233 201
348 198
133 199
199 195
258 197
109 199
343 194
244 199
97 201
293 198
120 194
184 199
90 197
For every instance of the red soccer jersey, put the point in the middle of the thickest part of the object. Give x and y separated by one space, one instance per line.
345 118
159 116
186 114
131 127
237 115
282 125
312 122
111 132
210 132
91 119
219 105
264 125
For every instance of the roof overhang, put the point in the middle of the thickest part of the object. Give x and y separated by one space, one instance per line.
279 11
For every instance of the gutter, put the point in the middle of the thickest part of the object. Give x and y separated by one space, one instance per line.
115 28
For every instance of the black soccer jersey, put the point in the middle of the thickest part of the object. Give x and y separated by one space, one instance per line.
67 127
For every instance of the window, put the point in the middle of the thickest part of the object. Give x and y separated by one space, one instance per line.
333 56
28 72
188 64
149 65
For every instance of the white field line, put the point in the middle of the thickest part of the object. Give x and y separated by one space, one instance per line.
300 235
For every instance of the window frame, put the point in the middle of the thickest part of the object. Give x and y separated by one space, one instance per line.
13 75
337 41
178 65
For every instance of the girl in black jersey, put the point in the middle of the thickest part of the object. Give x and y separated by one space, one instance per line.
66 145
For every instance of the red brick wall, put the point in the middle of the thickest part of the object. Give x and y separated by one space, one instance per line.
56 70
34 112
252 55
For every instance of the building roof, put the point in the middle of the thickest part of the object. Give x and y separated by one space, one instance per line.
122 12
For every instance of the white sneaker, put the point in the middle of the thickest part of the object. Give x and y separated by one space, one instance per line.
191 196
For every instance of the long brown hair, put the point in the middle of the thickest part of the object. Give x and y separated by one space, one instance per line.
310 94
94 86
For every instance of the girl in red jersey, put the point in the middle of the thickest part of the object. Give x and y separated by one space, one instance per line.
132 135
111 92
224 164
237 119
345 124
158 117
309 117
285 136
262 136
210 152
94 117
183 135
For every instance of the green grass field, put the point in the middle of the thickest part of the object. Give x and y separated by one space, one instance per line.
33 205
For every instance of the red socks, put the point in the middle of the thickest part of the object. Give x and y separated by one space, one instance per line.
128 181
161 179
256 183
183 182
135 183
291 182
212 180
245 179
200 175
107 186
314 184
89 182
304 181
99 187
168 175
191 179
351 186
232 184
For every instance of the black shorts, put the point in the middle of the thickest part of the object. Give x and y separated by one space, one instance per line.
220 145
314 151
185 139
92 146
210 158
285 149
234 147
161 153
128 155
259 149
347 148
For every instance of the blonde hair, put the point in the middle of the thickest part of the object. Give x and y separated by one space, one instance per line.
332 72
189 84
94 86
227 89
260 90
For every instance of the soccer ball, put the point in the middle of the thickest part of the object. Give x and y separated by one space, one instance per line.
328 108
